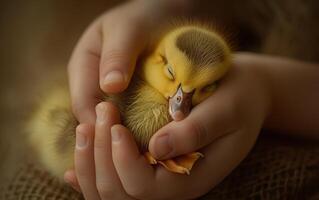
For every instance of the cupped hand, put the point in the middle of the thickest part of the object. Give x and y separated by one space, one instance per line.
238 107
226 125
105 56
109 165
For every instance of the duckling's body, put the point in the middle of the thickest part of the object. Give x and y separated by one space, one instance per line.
188 61
52 131
143 111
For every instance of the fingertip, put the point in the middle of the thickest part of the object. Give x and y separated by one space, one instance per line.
83 128
106 106
70 178
170 141
161 143
178 138
118 59
101 106
161 147
84 133
114 82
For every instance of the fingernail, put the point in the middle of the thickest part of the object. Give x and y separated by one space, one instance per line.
162 146
100 112
115 134
81 139
113 77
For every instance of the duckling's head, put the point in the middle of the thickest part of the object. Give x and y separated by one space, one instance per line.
185 67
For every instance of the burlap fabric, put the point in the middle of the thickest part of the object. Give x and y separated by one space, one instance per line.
33 183
277 168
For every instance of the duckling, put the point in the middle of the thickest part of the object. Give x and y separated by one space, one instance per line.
180 72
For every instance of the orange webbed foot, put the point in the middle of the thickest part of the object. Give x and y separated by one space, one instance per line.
150 159
181 164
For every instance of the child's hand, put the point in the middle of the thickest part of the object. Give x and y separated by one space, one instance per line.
109 165
273 92
238 108
106 54
227 125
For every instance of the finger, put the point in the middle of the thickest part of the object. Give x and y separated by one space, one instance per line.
83 73
221 157
136 175
209 120
121 47
107 180
70 178
84 161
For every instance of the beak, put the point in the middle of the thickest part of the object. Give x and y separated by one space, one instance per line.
180 104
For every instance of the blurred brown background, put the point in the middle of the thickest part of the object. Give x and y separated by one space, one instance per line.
37 37
36 40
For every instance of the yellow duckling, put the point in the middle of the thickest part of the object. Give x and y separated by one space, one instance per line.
178 74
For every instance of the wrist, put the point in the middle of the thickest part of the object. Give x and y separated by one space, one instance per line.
293 90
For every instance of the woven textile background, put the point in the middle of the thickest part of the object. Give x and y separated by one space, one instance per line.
277 168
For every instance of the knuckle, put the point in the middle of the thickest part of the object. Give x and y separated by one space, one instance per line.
99 145
114 58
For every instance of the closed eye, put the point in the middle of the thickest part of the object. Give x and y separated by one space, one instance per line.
169 72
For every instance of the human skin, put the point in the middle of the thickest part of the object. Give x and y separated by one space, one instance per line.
254 94
293 92
224 126
108 168
106 54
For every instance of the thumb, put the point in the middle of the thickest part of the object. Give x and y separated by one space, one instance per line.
121 47
207 122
